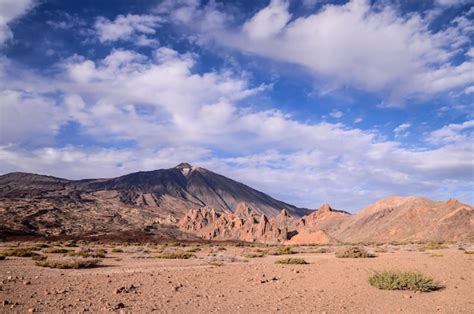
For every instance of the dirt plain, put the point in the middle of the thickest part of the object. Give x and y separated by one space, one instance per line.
226 278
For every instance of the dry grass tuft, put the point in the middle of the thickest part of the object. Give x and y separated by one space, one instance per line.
177 255
69 264
354 252
283 250
292 261
21 252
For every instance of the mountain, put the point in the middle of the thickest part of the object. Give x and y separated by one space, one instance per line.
37 204
392 219
407 218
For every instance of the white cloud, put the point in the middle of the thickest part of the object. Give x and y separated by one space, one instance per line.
269 21
9 11
336 114
373 48
402 130
28 118
449 3
453 133
358 120
175 114
128 28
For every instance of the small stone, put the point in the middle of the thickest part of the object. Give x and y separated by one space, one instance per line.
5 302
407 296
119 306
31 310
27 282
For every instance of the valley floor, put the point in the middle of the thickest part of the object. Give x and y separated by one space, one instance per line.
226 278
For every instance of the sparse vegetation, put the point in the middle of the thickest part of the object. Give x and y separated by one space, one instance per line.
71 243
177 255
86 253
469 252
283 250
20 252
39 257
56 251
255 255
41 245
216 263
69 264
292 261
435 245
194 250
2 257
354 252
116 250
403 280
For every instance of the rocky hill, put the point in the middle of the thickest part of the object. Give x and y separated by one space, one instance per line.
391 219
409 218
45 205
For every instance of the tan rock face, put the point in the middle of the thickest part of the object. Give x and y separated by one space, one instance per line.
408 218
245 225
391 219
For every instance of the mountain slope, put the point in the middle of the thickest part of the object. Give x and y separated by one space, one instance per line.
36 204
410 218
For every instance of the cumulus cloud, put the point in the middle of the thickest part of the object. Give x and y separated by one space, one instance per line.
128 27
402 130
336 114
9 11
172 113
370 47
28 118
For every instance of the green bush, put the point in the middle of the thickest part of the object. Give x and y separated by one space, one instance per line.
403 280
354 252
73 264
177 255
292 261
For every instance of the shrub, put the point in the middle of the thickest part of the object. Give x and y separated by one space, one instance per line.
21 252
255 255
469 252
194 250
321 250
354 252
216 263
435 245
2 257
177 255
292 261
41 245
116 250
69 264
100 253
403 280
56 251
71 243
283 250
39 257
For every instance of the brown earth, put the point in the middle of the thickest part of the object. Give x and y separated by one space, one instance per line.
134 282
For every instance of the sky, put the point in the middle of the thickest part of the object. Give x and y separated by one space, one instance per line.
310 101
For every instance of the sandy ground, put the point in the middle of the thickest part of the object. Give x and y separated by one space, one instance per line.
130 282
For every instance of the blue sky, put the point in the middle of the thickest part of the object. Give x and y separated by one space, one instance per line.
310 101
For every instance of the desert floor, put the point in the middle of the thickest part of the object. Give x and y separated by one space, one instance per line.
225 278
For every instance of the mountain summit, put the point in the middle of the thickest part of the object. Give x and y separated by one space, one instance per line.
34 203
